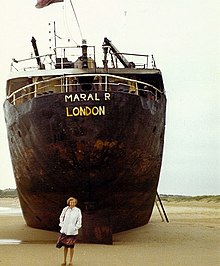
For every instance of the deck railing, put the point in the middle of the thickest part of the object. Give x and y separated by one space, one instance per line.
82 83
68 57
48 60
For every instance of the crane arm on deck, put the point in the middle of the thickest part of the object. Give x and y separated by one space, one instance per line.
115 51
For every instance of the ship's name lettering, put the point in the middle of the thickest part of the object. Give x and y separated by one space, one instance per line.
86 97
85 111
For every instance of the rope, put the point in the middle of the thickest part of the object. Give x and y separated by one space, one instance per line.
76 19
67 25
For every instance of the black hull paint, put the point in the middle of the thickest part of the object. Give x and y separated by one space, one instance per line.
110 163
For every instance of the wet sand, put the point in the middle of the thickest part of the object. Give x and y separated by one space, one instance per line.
192 237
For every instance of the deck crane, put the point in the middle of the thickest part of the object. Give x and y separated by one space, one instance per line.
108 44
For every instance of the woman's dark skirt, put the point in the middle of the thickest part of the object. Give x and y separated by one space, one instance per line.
66 241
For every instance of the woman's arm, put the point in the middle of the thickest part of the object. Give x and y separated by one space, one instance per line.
79 220
62 216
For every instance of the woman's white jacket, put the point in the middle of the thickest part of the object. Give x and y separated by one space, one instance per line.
70 221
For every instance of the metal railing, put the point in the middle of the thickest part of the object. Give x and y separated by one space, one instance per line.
70 56
148 61
48 65
80 83
49 61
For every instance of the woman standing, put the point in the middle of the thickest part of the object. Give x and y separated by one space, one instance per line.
70 222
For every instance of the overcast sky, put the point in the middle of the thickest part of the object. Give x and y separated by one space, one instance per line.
185 40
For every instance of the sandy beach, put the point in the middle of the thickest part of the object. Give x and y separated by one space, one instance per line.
192 237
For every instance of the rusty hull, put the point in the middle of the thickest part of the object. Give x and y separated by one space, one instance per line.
110 163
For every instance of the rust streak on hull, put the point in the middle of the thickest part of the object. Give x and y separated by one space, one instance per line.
112 163
93 133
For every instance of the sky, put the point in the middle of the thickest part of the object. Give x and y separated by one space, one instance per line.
183 36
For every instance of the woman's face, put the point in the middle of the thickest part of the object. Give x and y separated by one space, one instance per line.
72 203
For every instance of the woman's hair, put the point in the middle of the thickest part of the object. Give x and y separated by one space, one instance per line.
69 199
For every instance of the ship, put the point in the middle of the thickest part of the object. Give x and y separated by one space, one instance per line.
93 132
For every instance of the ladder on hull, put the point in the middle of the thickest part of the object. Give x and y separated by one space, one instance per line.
161 209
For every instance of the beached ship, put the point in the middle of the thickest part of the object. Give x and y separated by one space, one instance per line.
95 133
